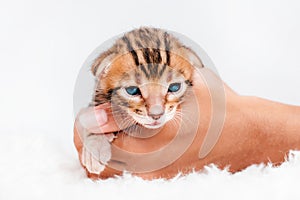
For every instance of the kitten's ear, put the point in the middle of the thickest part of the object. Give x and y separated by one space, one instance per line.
101 63
192 57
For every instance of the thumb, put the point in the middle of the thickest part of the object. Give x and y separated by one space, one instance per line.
98 119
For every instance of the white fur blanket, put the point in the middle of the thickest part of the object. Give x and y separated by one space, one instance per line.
35 166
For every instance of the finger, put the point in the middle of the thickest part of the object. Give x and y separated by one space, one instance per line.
98 119
109 127
92 117
80 132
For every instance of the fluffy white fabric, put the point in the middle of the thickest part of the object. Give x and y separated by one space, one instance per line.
35 166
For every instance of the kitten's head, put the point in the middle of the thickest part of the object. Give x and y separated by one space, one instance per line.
147 74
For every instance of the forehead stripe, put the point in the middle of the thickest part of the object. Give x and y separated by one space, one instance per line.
146 54
132 51
156 56
161 71
167 46
142 67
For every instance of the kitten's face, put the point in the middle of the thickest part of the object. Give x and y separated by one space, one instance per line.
152 103
149 94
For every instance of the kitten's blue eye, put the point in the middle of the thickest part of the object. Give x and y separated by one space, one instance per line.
174 87
133 90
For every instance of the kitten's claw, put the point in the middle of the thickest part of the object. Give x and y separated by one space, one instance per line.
96 152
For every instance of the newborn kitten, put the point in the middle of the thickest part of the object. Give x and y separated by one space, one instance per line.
145 76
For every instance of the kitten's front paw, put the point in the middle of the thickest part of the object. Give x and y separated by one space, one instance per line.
96 152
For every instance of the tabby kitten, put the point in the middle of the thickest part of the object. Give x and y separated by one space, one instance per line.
145 76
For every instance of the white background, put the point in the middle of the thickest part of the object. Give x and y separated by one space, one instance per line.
254 44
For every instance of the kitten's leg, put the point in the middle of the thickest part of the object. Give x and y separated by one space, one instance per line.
96 152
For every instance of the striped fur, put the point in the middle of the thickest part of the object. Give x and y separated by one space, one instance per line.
147 45
150 59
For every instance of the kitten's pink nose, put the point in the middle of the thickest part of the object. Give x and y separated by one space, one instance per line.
156 111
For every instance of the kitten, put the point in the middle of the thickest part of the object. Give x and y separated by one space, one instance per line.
145 76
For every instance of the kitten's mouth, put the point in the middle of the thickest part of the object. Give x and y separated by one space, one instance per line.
153 125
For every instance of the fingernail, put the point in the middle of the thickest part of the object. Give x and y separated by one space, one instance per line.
101 116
